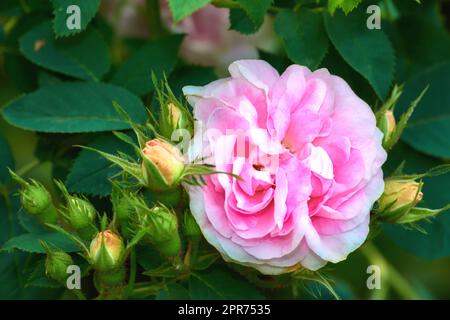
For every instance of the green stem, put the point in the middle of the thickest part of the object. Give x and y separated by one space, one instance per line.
28 167
132 275
390 274
79 294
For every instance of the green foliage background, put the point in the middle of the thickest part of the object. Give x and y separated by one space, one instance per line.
51 78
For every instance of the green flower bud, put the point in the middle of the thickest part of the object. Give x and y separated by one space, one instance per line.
163 165
162 226
80 212
56 265
36 200
174 116
399 197
106 251
191 227
387 125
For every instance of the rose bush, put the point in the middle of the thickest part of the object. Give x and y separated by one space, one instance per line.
309 156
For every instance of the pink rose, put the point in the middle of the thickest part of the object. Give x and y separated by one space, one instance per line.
309 156
209 40
128 18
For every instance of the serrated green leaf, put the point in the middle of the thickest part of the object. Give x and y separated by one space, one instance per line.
303 36
345 5
91 173
88 10
220 284
368 51
256 10
182 8
84 56
39 279
428 128
157 57
74 107
240 22
29 242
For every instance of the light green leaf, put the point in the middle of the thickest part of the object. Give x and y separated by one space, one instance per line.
91 173
74 107
84 56
368 51
221 284
303 36
345 5
88 10
429 127
182 8
158 56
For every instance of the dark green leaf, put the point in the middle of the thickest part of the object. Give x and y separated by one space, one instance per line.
368 51
221 284
303 36
256 10
91 173
429 127
88 10
74 107
240 22
158 56
29 242
173 291
84 56
190 75
6 160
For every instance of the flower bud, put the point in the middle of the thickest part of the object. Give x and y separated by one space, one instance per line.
164 166
124 210
80 215
36 200
162 226
399 197
106 251
56 265
175 115
191 227
387 125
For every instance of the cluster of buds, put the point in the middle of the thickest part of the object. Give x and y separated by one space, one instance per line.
36 200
